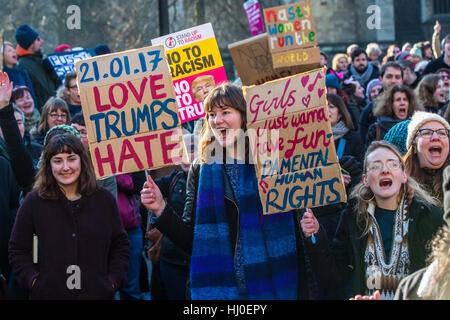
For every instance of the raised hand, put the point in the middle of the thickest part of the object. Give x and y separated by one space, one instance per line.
5 89
152 198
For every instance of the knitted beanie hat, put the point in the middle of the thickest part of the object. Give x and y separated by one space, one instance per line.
25 36
415 51
403 55
332 81
62 47
370 85
59 129
418 119
397 135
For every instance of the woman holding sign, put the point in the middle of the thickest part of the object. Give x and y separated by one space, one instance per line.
383 232
68 241
236 251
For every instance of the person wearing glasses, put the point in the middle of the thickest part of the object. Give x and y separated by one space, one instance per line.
54 112
383 231
71 94
428 150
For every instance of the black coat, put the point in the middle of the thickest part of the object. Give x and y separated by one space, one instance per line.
9 203
22 156
87 233
169 251
44 82
341 259
181 229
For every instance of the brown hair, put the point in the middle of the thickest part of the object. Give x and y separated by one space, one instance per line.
364 195
384 105
52 104
224 95
337 101
425 90
46 184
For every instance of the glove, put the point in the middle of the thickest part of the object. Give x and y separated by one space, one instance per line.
350 164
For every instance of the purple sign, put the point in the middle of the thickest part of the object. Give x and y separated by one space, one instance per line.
254 17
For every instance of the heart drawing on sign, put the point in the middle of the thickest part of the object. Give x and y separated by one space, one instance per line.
305 81
306 100
320 92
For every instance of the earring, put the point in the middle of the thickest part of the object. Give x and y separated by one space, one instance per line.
361 197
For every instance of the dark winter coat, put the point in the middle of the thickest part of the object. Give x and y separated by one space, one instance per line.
383 124
169 251
20 77
341 260
9 203
181 229
44 82
86 233
23 155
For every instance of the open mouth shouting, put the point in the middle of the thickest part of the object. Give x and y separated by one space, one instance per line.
402 112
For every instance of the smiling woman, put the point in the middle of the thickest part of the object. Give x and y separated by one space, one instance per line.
71 228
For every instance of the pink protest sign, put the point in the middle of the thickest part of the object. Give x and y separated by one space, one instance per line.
254 17
196 67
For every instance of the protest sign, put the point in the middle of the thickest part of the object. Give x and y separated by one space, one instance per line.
292 143
64 62
196 67
253 61
130 110
254 17
292 35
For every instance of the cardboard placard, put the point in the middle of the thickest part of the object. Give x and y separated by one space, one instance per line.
292 143
290 29
196 67
254 17
130 110
64 62
253 61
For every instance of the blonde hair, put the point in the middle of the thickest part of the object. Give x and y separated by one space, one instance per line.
440 246
364 195
336 59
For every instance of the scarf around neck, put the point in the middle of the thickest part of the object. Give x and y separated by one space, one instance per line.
339 130
268 243
362 78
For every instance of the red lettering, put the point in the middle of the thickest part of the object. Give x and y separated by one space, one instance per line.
167 147
112 98
147 147
98 104
126 145
137 95
109 159
155 87
270 13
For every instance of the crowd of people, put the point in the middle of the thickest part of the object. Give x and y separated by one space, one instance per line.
198 232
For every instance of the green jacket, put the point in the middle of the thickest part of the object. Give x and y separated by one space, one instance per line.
343 260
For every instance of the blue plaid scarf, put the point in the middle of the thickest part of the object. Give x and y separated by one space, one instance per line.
268 243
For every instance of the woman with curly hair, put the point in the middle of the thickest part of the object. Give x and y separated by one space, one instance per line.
394 105
431 94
